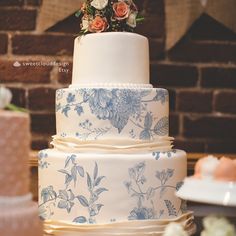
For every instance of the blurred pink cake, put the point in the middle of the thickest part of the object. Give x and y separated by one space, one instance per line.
14 146
223 169
213 182
18 213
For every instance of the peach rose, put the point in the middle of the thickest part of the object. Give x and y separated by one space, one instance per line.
121 10
83 7
98 24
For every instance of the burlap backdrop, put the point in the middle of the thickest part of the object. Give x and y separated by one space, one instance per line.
179 14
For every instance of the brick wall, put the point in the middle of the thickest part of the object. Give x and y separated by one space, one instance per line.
199 72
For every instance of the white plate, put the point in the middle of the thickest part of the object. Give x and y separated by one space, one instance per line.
208 191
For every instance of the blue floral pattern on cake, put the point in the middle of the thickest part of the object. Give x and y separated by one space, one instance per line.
169 154
72 173
162 96
118 107
66 195
89 130
144 194
42 160
90 203
66 199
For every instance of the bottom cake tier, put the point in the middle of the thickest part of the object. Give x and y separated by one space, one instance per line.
102 188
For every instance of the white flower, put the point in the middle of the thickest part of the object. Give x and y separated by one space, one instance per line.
174 229
5 97
85 24
131 21
214 226
99 4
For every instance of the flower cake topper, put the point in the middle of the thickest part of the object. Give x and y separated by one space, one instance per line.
108 15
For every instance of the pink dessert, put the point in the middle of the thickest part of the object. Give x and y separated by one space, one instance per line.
223 169
226 170
20 220
14 155
18 213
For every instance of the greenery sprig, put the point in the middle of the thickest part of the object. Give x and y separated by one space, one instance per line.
5 101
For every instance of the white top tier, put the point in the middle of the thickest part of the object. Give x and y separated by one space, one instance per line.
110 58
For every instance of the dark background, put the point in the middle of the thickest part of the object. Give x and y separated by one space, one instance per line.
199 72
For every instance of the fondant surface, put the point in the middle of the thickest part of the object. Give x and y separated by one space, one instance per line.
101 187
113 57
112 113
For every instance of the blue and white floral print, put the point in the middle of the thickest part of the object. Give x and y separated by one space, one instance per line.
42 160
71 173
171 208
144 194
94 188
48 199
168 154
89 130
141 213
66 199
162 96
100 102
119 107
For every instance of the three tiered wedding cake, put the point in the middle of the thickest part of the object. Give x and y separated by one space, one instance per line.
112 159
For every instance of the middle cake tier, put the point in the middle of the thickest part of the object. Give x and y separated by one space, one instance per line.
124 115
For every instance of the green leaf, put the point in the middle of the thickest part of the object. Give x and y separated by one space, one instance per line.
12 107
90 10
140 19
78 13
